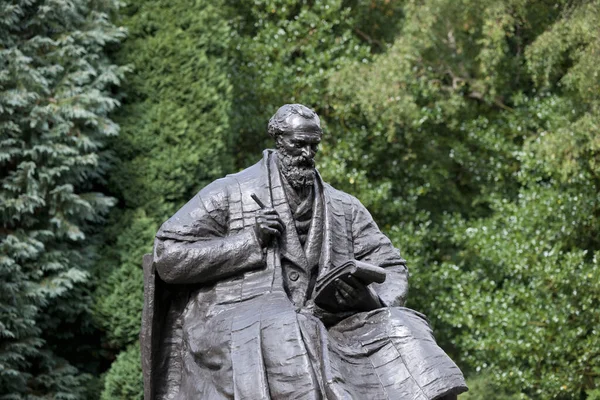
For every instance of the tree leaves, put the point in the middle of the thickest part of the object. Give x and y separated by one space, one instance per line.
55 96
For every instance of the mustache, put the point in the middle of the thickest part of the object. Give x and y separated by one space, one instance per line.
298 161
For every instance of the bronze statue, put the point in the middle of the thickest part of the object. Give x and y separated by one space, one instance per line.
271 284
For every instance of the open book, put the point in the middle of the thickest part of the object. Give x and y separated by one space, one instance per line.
326 286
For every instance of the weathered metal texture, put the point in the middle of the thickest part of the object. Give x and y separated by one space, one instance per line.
230 315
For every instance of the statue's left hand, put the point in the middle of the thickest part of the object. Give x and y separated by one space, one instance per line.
352 294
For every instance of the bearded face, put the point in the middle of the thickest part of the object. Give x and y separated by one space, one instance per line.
296 152
298 170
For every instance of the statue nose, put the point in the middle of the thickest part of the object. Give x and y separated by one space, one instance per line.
307 152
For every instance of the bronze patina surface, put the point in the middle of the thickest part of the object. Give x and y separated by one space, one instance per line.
272 284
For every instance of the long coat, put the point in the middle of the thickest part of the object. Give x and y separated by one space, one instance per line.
225 320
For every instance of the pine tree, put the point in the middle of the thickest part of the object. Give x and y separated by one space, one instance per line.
175 138
55 97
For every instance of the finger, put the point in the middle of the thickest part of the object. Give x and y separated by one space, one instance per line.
344 295
268 211
354 282
264 214
340 299
273 218
275 225
341 284
272 221
271 224
346 290
268 219
271 231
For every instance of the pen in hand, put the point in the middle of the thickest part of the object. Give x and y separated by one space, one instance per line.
257 200
268 224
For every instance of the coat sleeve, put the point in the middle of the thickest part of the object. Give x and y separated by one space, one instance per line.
194 246
373 247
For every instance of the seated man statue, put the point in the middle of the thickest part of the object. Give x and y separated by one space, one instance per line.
271 284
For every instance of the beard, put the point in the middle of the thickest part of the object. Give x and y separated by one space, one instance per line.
298 170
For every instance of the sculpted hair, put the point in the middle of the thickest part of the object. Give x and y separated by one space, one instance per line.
279 124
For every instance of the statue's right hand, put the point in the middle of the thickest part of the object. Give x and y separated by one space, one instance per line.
267 225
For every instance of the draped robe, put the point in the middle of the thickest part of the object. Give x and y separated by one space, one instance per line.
225 320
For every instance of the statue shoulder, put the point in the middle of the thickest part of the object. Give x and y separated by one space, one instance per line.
223 186
251 172
217 188
210 205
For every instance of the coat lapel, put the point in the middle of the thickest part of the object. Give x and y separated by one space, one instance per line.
314 241
337 230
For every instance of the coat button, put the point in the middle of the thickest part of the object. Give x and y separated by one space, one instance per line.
294 276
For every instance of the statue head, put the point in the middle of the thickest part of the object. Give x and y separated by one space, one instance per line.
297 133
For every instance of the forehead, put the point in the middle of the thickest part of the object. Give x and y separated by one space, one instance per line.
303 136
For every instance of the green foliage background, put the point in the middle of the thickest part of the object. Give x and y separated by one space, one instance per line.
468 128
175 138
481 125
56 91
